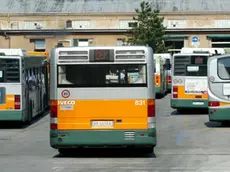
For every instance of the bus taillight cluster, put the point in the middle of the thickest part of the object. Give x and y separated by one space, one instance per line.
53 115
175 92
17 102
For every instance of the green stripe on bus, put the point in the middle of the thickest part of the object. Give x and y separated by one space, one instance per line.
11 115
157 90
100 138
185 103
219 115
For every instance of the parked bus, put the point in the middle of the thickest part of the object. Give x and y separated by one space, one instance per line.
159 75
23 86
102 97
219 88
213 51
167 67
189 81
35 53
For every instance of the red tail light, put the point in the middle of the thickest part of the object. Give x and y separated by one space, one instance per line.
17 102
151 108
175 92
157 77
53 111
169 79
213 103
53 126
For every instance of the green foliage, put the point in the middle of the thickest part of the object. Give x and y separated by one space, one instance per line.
149 30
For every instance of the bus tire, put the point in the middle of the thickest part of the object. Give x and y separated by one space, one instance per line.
148 150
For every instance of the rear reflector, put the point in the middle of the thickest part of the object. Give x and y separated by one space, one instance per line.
53 126
213 104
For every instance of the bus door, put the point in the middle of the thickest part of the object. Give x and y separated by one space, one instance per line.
219 88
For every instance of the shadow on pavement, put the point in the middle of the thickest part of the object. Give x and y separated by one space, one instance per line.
217 124
19 125
190 112
104 153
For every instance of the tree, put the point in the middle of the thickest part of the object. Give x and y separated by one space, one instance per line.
149 29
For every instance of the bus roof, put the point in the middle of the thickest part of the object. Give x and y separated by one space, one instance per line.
13 51
192 54
10 57
210 50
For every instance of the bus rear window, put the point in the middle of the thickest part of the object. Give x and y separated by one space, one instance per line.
183 63
102 75
9 71
224 68
196 70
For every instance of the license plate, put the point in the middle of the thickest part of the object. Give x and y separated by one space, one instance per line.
198 103
102 124
66 107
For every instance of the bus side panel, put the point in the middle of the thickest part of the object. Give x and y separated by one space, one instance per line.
124 114
218 89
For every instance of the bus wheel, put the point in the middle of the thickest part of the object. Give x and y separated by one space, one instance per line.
148 150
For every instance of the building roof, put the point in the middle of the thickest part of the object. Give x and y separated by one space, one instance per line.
76 6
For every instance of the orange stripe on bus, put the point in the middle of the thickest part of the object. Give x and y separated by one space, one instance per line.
182 95
125 114
9 104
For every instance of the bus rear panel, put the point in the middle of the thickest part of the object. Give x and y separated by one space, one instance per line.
189 81
105 100
10 89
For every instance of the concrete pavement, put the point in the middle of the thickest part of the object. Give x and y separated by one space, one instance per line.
186 143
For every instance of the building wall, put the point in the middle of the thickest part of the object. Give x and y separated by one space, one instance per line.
101 21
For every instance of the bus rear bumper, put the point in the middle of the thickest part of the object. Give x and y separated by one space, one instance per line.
102 138
219 115
11 115
157 90
169 87
185 103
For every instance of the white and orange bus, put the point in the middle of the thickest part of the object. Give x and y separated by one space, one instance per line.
102 97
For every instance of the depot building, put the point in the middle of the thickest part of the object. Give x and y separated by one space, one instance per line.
81 23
